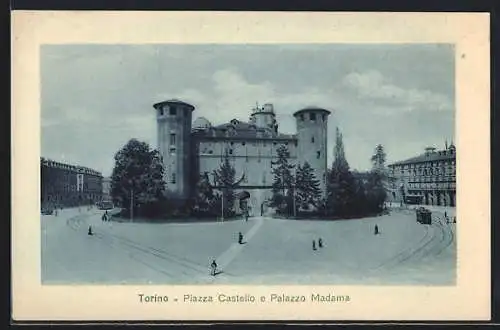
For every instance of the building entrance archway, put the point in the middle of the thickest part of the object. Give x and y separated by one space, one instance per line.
244 206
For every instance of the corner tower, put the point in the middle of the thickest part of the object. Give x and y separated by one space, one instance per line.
173 120
264 117
312 136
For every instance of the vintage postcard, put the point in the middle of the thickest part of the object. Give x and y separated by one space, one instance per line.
253 166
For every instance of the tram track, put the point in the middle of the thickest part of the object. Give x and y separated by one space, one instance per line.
448 236
75 223
437 238
184 266
408 252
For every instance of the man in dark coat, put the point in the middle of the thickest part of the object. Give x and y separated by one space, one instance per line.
213 267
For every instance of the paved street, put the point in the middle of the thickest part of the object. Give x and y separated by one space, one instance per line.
275 251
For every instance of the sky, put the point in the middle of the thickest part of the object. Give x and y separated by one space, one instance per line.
97 97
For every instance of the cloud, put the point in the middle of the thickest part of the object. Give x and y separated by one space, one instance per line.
96 97
230 96
372 85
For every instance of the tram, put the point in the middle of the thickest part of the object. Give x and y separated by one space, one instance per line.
424 216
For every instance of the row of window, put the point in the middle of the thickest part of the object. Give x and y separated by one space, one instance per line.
431 171
230 151
60 197
173 141
425 165
312 116
243 143
172 111
431 185
65 186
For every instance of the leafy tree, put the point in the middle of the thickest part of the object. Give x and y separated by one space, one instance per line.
341 185
378 180
360 197
307 187
225 179
283 181
138 172
204 197
376 191
378 160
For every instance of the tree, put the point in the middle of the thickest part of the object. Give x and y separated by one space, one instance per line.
376 192
340 163
307 187
341 185
225 179
204 197
138 173
283 181
377 182
360 198
378 160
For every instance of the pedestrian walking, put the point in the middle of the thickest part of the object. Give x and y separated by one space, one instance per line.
314 245
90 233
376 230
213 267
320 243
240 238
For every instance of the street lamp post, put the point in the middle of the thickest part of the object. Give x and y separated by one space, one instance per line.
294 189
222 211
131 182
131 204
222 197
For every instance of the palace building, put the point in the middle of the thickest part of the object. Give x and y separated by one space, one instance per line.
429 178
65 185
192 148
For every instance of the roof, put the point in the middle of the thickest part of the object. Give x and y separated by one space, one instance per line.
76 168
311 108
428 157
173 101
242 130
201 122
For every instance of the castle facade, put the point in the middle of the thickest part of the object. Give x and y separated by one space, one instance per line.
192 148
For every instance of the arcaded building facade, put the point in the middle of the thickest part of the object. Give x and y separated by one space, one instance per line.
429 178
65 185
192 148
